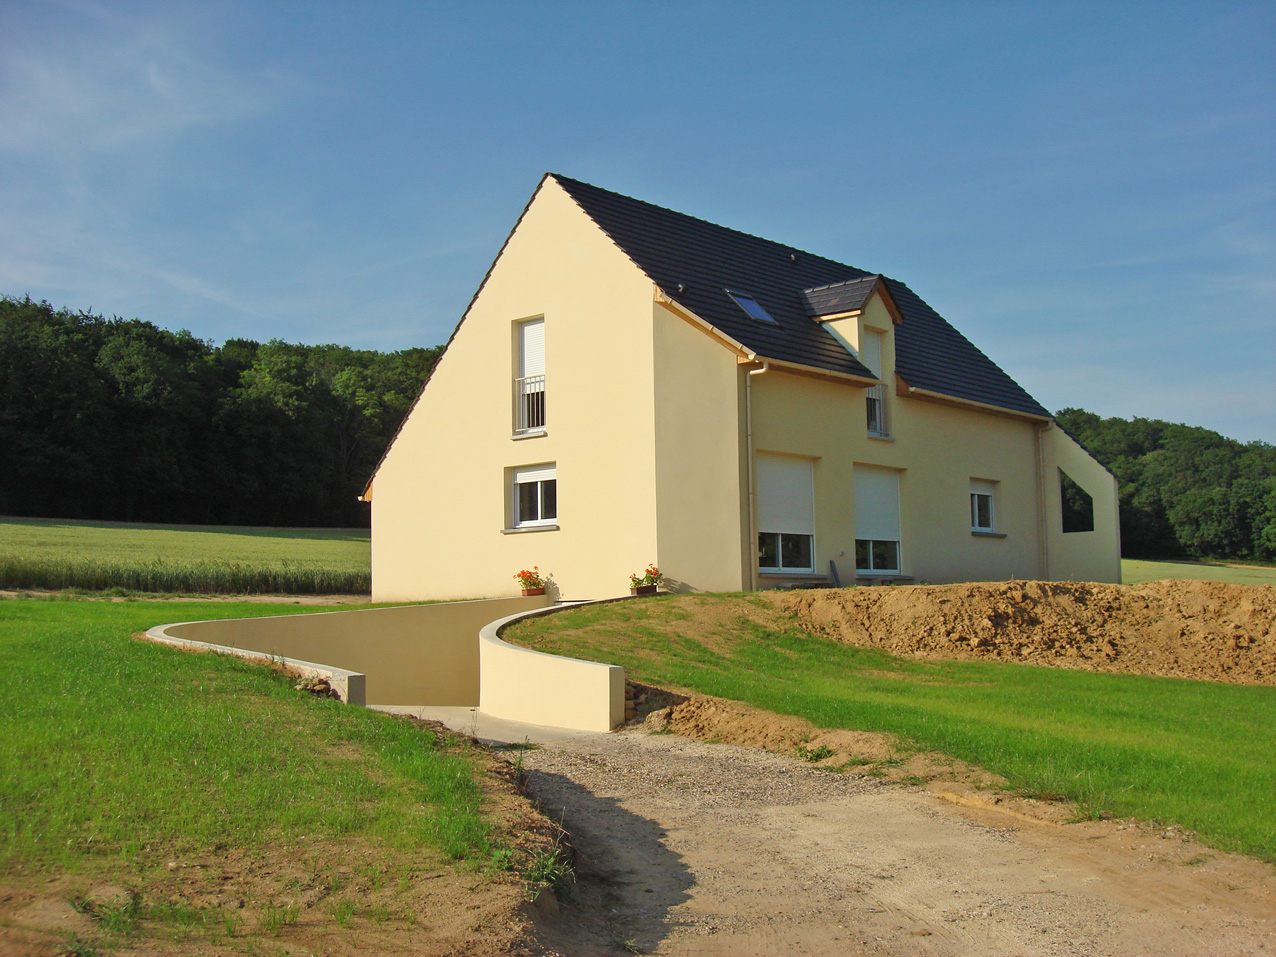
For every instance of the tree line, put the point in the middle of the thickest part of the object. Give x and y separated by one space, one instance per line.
118 419
1185 491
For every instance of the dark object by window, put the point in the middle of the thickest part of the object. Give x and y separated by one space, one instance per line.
1077 503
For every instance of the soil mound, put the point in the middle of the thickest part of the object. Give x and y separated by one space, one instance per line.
1214 631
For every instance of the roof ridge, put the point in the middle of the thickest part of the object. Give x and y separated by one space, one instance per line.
666 209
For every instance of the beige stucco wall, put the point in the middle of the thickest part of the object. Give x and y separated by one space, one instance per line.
524 685
441 497
415 654
937 449
1080 556
701 508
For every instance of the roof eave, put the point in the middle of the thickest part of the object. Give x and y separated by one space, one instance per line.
904 389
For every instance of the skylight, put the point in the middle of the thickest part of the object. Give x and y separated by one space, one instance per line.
752 308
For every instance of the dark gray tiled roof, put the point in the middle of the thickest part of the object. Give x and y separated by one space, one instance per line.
695 262
839 296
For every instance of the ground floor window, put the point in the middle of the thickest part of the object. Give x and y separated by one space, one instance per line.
877 524
880 557
786 552
981 495
535 496
786 514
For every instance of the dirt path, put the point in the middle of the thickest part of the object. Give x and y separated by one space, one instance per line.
709 849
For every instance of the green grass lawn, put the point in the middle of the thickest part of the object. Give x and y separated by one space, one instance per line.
54 553
122 750
1135 570
1197 754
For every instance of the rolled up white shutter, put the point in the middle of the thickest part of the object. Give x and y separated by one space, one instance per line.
532 348
876 504
786 494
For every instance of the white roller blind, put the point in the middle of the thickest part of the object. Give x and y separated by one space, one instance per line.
531 348
786 494
876 504
537 473
871 352
980 487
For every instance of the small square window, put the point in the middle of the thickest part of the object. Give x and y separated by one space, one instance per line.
535 496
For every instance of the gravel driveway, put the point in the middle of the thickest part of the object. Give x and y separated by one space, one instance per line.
692 848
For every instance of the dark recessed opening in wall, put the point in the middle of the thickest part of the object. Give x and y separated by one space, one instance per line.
1078 505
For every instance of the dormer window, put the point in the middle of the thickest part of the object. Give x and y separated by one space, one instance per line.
751 307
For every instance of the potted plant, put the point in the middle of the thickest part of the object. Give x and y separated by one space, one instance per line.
647 582
531 580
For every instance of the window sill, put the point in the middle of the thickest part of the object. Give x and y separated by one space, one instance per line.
882 578
519 530
881 437
780 573
979 533
529 434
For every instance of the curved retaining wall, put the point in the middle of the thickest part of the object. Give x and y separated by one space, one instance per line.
523 685
406 655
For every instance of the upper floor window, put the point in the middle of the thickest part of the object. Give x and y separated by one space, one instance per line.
981 505
874 396
529 385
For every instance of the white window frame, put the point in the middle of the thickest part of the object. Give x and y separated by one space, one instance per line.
529 379
869 568
983 489
545 478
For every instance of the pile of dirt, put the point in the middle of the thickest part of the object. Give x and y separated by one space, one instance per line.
1214 631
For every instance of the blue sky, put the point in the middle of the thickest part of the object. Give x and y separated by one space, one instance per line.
1086 190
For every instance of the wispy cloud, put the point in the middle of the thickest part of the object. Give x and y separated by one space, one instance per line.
107 82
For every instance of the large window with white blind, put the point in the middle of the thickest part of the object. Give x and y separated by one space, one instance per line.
529 385
877 538
786 514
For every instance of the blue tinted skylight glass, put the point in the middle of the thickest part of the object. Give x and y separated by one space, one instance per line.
752 308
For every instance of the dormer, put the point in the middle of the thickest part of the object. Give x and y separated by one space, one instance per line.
845 309
861 315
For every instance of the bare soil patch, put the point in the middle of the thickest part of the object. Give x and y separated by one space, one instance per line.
1214 631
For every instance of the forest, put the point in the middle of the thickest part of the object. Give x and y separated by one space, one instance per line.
118 419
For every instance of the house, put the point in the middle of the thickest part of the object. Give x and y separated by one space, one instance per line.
632 385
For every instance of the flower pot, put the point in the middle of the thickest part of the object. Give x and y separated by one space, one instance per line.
533 591
643 590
